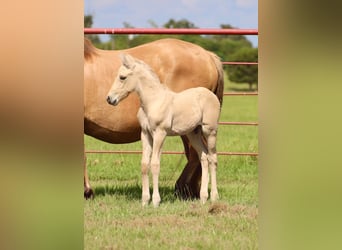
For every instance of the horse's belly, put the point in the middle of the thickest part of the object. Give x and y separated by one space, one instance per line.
185 124
112 124
111 136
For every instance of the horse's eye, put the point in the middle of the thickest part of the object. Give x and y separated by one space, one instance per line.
122 78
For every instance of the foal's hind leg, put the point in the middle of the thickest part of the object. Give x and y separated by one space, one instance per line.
196 141
211 135
146 140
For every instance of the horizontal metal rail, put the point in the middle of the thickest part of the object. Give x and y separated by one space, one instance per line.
239 123
167 31
239 93
240 63
164 152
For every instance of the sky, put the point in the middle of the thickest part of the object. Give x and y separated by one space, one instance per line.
241 14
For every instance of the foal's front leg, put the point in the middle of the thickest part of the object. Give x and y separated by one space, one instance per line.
146 140
158 140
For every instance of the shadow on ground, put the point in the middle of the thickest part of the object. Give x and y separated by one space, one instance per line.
133 192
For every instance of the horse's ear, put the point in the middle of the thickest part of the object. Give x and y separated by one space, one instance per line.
127 60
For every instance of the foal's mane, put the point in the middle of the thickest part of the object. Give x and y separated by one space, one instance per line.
89 49
148 68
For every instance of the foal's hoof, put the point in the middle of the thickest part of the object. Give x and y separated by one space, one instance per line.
156 200
214 197
203 201
204 197
88 193
156 204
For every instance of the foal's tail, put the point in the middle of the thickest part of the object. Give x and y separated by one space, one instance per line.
220 77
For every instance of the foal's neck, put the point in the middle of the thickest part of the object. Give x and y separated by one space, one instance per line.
151 91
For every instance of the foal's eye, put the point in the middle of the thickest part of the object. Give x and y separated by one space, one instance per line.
122 78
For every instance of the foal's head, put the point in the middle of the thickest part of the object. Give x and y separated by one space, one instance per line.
125 81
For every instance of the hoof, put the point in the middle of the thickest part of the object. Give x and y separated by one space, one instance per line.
145 199
144 203
186 192
204 198
88 193
203 201
156 203
214 197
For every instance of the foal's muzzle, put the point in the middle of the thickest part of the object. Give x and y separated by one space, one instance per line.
112 101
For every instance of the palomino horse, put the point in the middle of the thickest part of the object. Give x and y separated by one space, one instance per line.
193 112
178 64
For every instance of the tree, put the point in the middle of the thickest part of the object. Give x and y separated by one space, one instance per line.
244 73
240 38
88 23
223 45
183 23
119 41
152 23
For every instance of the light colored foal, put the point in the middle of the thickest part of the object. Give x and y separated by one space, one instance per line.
193 112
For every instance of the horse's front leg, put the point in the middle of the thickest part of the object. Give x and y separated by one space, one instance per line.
146 140
88 192
158 140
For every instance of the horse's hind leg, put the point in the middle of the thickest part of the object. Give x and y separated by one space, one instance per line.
196 141
189 182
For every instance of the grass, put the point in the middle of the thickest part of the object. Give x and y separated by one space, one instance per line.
115 219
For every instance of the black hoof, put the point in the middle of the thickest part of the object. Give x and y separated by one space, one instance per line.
88 193
185 192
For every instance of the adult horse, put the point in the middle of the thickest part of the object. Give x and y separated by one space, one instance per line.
179 64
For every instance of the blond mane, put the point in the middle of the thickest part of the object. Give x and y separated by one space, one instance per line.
148 69
89 50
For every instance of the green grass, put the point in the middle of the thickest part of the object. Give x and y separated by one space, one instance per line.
115 219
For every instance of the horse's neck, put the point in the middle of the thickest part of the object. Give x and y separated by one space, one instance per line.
151 92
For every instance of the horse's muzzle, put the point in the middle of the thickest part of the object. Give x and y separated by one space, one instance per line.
112 101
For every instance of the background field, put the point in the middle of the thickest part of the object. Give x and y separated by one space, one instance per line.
116 220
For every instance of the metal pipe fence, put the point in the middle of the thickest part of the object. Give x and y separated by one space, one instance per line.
166 31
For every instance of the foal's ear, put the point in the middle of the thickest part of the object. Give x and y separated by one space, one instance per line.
127 60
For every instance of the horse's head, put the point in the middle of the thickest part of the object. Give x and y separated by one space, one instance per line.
124 82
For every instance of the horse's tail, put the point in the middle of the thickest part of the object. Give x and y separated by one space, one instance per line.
220 78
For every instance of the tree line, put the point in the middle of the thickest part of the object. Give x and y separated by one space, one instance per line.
227 47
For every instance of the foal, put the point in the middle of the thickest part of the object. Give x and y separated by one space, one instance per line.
193 112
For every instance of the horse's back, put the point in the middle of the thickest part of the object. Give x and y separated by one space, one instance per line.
179 64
